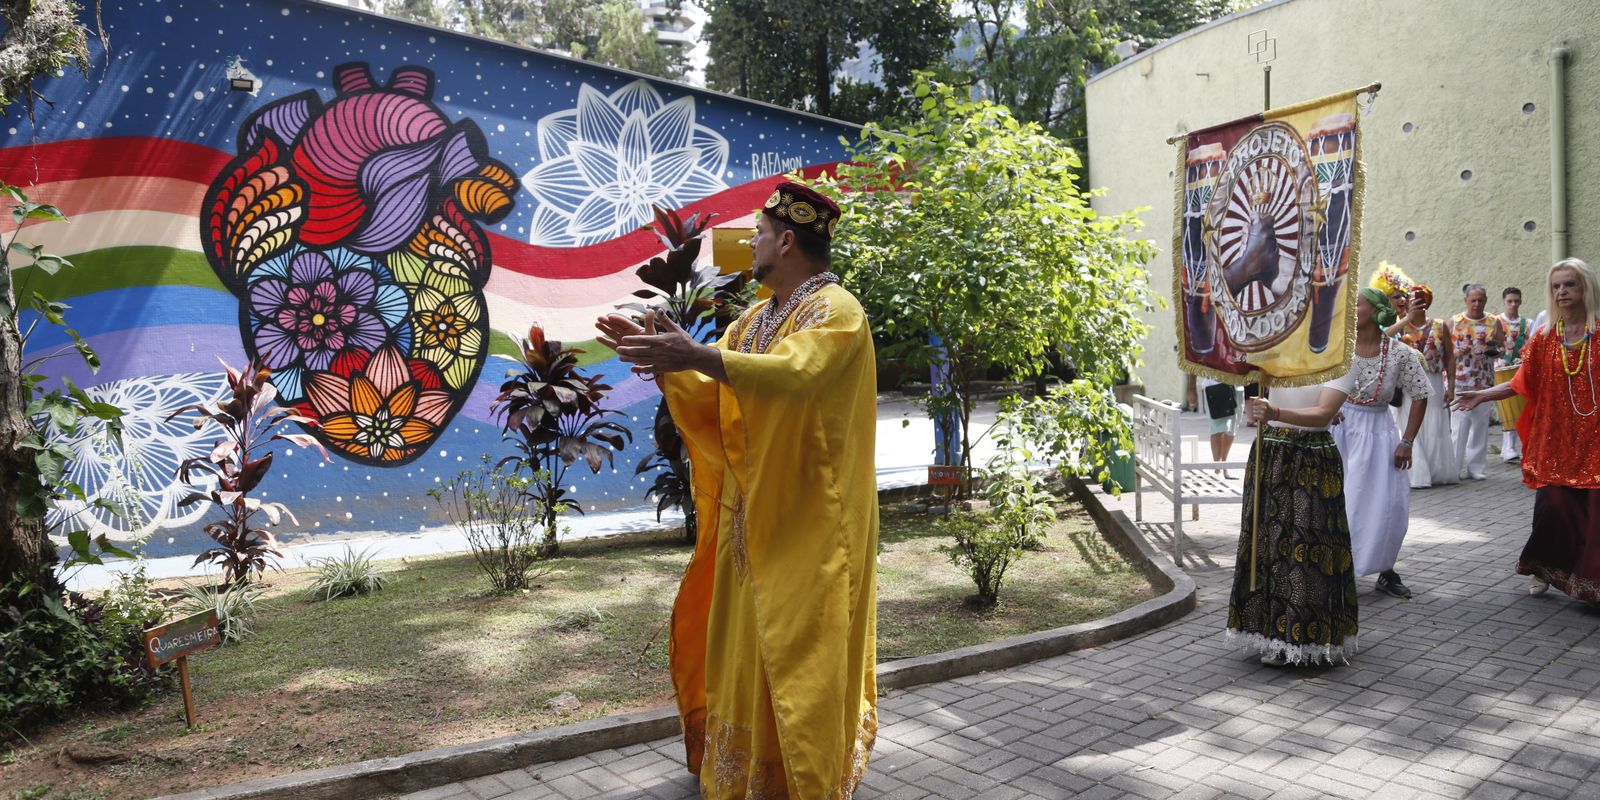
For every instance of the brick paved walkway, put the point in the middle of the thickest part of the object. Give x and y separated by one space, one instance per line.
1473 689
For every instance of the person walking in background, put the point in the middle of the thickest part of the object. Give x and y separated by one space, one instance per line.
1400 303
1478 339
1221 405
773 633
1294 584
1560 436
1375 459
1517 329
1434 453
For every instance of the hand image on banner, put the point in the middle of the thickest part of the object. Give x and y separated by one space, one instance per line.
1266 237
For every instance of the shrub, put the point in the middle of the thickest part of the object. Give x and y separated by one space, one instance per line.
55 657
346 576
132 599
554 418
1020 503
985 548
235 605
1077 428
490 506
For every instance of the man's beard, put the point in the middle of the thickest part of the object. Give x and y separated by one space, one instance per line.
760 272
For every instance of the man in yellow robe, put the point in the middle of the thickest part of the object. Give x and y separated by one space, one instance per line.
774 640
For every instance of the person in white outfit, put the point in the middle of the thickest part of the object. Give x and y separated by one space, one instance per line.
1435 463
1375 459
1478 339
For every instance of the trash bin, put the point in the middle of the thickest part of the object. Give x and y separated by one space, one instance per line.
1119 467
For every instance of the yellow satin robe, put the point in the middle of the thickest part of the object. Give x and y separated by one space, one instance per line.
774 630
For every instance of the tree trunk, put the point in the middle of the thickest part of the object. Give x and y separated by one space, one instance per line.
823 75
25 550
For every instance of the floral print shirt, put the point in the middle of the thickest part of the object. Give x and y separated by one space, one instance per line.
1429 341
1471 338
1516 338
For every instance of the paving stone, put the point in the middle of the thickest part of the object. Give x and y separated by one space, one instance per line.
1474 689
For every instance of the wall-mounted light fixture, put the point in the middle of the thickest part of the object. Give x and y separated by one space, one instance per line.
241 79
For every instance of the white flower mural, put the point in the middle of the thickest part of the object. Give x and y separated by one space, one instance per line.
141 475
603 164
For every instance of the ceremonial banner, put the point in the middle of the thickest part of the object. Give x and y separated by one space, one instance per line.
1265 244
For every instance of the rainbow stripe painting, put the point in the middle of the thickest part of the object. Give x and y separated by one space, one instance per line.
390 208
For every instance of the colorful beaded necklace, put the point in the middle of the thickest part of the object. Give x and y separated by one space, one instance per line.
770 319
1583 355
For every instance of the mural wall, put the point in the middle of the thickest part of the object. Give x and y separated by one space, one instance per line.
389 209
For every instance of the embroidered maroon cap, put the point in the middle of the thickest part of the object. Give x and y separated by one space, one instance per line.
804 207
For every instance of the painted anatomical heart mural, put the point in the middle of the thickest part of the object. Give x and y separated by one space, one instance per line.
349 230
376 209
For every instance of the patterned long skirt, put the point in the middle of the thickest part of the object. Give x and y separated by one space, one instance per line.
1564 548
1301 604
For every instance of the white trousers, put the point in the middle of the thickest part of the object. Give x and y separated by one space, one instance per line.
1510 446
1470 430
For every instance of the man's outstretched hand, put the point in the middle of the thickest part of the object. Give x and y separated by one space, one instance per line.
659 346
614 328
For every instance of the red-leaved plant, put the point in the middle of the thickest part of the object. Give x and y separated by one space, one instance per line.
553 416
250 419
689 296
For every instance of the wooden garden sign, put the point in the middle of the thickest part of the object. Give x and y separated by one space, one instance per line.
176 641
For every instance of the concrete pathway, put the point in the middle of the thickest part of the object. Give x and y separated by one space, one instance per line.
1473 689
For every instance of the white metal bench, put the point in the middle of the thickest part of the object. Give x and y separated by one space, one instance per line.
1158 459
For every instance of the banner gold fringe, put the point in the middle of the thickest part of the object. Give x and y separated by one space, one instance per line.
1352 278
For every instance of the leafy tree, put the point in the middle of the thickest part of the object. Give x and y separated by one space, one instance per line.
41 37
622 39
611 32
1036 55
967 226
789 53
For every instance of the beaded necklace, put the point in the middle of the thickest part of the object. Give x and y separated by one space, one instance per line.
1583 354
1377 388
770 319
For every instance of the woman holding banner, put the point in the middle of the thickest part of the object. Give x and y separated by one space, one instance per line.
1375 459
1559 429
1434 461
1294 584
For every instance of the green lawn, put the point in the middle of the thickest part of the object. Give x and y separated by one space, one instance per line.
434 659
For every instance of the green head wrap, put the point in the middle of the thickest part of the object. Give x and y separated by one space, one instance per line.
1383 310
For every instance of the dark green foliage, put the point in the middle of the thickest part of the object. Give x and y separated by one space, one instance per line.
56 656
1036 57
789 53
612 32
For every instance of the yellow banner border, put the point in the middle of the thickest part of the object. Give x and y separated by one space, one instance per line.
1352 279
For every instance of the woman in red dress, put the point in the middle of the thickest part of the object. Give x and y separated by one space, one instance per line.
1559 430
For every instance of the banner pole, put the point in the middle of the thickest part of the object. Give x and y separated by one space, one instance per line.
1255 492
